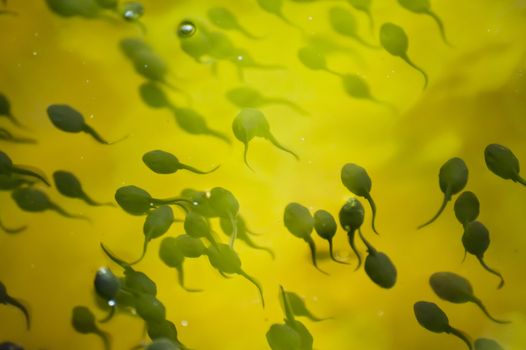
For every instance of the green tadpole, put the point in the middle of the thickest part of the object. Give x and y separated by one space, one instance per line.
83 321
162 162
69 186
467 207
7 299
325 226
502 162
351 217
424 7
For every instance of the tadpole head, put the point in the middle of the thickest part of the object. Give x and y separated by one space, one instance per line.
66 118
467 207
356 179
298 220
324 224
501 161
453 176
431 317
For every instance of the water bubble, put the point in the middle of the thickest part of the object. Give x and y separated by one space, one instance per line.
186 29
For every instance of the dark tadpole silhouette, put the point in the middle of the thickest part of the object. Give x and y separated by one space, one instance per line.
395 41
198 226
107 286
172 254
326 227
226 205
164 335
225 259
83 321
12 230
6 135
242 234
299 221
487 344
502 162
344 23
467 207
5 111
356 87
456 289
476 241
6 299
424 7
351 218
68 119
225 19
69 186
162 162
379 266
8 168
356 180
247 97
136 201
297 304
365 7
251 123
452 178
34 200
163 344
432 318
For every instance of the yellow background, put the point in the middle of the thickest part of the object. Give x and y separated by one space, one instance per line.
476 96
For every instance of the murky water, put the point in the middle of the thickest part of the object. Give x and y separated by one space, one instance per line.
402 134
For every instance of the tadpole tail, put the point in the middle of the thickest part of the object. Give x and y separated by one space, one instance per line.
141 26
313 318
287 103
331 253
248 34
105 337
293 25
7 136
459 334
89 130
254 282
465 255
385 104
485 311
521 180
27 172
409 62
289 315
350 236
13 302
113 258
12 230
180 280
366 44
312 247
233 222
245 156
224 275
276 143
369 246
373 209
440 27
64 213
197 171
254 245
110 315
94 203
371 21
143 253
442 207
492 271
218 135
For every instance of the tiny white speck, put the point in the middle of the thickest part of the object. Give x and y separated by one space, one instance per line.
91 116
184 323
35 53
309 162
309 18
145 66
314 298
302 139
87 81
240 58
112 303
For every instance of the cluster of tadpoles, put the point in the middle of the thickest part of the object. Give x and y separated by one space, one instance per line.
448 286
300 222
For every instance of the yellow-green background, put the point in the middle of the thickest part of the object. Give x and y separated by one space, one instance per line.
477 95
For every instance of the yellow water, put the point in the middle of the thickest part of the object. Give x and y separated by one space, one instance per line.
477 95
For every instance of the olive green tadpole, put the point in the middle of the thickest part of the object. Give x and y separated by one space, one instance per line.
476 241
456 289
314 59
172 255
225 259
226 205
68 119
501 161
225 19
242 234
378 266
325 226
283 337
251 123
297 304
395 41
351 218
356 180
164 332
299 221
12 230
68 8
149 308
136 201
424 7
198 226
163 344
365 7
356 87
343 22
107 287
5 110
467 207
275 7
157 223
200 202
246 97
487 344
6 299
9 182
162 162
83 321
242 60
69 186
6 135
452 178
34 200
432 318
8 168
